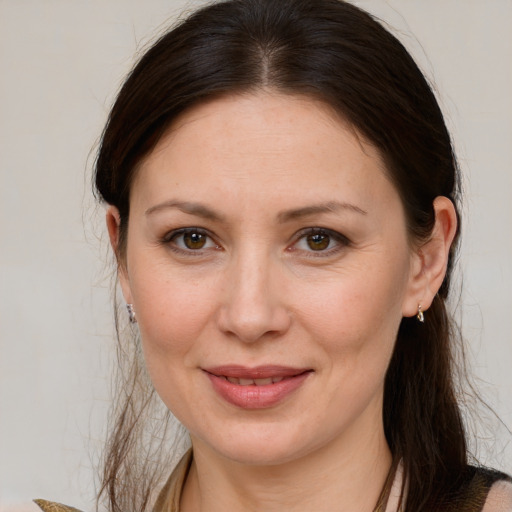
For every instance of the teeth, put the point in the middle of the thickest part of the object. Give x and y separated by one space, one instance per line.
254 382
263 382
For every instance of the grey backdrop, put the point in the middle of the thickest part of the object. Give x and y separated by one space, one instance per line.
61 62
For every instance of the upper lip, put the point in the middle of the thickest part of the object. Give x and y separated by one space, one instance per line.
257 372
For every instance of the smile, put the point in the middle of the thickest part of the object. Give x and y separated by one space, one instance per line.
256 388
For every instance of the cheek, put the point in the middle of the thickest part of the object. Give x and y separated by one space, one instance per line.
172 314
354 305
353 318
355 325
172 309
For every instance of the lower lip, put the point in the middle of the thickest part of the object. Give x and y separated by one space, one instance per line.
256 397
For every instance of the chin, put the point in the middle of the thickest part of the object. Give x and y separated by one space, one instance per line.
262 447
262 456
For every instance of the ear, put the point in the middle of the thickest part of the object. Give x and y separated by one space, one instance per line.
430 259
113 225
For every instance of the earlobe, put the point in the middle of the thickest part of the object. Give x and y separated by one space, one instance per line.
430 260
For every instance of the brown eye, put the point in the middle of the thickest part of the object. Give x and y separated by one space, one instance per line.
318 241
190 240
194 240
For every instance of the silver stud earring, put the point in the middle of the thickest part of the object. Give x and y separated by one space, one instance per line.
420 316
131 313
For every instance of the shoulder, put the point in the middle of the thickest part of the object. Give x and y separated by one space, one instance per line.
492 487
499 498
50 506
481 490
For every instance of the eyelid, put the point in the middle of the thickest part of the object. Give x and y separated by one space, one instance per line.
342 241
168 238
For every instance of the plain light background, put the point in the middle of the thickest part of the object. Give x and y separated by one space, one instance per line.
61 62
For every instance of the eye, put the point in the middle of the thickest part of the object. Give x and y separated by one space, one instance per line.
194 240
190 239
320 240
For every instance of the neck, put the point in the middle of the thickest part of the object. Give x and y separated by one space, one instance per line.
347 473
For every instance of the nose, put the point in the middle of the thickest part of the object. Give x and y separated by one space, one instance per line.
253 306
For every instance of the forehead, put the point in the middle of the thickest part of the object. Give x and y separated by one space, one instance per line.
263 144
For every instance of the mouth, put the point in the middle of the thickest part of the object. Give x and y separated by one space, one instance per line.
256 388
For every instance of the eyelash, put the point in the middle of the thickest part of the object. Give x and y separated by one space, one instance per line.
170 237
340 240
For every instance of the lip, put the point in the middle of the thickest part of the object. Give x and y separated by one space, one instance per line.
284 381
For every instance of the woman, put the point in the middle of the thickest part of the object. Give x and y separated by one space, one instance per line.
282 198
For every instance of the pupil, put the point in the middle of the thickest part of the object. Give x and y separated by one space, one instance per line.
194 240
318 242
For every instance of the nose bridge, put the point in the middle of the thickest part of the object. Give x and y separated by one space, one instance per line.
253 306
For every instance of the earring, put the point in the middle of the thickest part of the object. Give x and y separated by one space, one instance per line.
420 316
131 313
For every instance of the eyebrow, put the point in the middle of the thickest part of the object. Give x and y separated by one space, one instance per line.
197 209
329 207
203 211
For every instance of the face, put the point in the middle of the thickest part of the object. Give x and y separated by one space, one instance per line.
269 267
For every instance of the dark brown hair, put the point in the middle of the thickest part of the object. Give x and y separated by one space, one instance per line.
332 51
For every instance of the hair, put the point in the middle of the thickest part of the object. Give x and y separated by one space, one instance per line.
331 51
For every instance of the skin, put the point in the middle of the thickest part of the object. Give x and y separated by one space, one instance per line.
257 293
